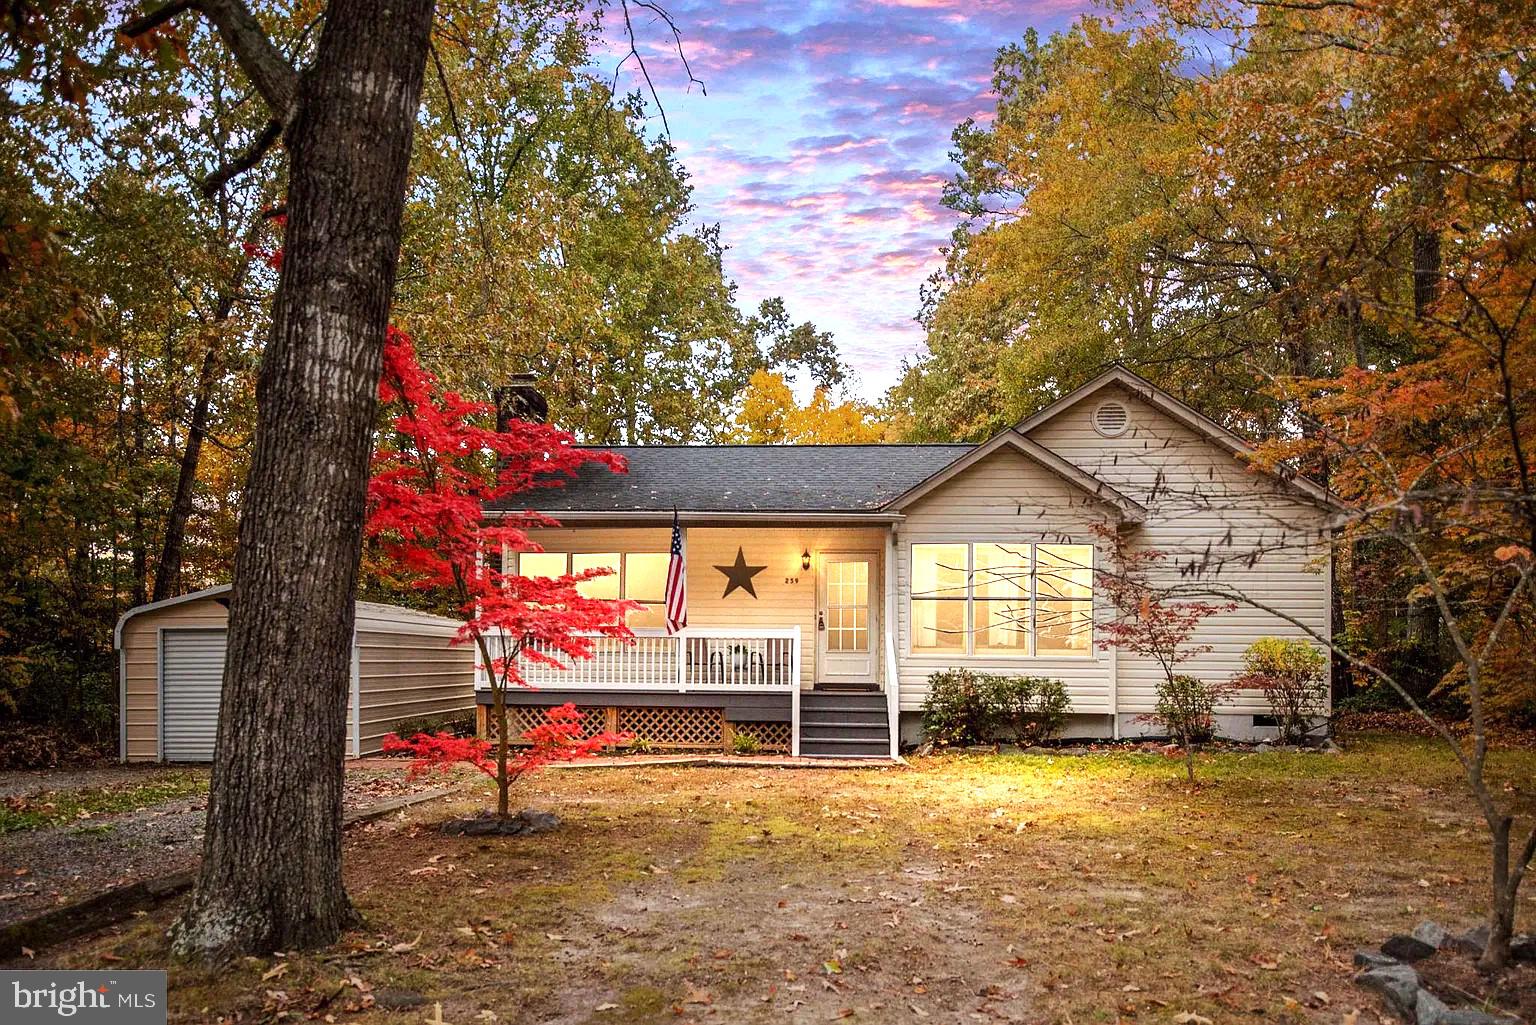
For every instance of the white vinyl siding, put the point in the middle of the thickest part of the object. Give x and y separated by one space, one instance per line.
1006 499
1207 507
171 665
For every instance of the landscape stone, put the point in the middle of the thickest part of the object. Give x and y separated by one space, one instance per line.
1470 942
1432 933
1523 948
1397 982
526 821
1472 1016
1263 748
1407 948
1429 1009
1372 959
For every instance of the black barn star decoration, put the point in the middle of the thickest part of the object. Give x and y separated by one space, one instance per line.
739 574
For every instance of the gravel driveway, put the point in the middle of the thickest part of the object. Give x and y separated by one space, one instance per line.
45 867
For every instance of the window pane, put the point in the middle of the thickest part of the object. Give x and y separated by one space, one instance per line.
1002 571
541 564
645 576
939 570
1002 626
938 625
648 617
1066 571
601 587
1063 627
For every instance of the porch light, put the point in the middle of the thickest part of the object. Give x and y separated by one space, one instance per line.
805 559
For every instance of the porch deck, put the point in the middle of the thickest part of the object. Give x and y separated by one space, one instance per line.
700 690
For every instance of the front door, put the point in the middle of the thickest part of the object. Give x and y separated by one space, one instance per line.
848 618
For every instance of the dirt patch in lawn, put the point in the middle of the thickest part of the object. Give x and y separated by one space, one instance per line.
68 834
1023 888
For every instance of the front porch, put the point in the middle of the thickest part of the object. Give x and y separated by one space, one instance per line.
704 689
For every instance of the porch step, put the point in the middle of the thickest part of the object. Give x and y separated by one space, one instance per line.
844 749
844 725
844 730
844 722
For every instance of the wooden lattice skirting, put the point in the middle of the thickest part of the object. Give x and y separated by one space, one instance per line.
661 727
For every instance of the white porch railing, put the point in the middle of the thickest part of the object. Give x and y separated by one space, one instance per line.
698 659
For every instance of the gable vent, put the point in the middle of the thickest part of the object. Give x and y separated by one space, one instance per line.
1111 419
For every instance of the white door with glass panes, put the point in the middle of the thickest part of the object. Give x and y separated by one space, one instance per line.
847 618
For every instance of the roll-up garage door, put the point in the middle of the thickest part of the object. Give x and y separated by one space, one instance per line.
191 678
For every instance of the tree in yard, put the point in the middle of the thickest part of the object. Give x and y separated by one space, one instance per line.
1293 677
561 737
271 872
1149 622
433 475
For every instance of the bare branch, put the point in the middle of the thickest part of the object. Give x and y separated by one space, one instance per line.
645 72
245 161
269 71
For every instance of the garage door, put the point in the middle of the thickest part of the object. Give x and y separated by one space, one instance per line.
191 677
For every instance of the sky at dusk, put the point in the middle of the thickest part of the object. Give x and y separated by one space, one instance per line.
821 145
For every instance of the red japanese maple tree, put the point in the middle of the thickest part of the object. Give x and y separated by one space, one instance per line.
433 477
1148 622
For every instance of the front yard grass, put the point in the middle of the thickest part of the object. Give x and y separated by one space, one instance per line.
968 888
54 807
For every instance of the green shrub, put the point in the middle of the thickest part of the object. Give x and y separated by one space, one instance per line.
967 707
745 744
1185 708
455 724
1293 676
959 709
1032 708
640 746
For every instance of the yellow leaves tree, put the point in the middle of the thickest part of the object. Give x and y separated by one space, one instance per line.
771 415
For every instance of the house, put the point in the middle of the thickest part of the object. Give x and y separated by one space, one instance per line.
827 583
405 665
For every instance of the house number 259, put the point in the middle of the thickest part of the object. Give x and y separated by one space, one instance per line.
791 580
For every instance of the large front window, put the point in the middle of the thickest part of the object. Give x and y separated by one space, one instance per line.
638 576
1002 599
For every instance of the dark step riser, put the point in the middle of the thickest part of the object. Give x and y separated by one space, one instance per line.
819 710
839 732
853 724
846 738
844 751
863 701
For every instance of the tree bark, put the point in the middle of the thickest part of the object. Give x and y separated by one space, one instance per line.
271 871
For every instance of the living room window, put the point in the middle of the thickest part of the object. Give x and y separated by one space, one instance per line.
638 576
1008 600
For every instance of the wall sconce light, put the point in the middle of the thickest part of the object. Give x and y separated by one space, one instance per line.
805 559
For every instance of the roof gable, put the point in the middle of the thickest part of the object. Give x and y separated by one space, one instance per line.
1126 510
1182 413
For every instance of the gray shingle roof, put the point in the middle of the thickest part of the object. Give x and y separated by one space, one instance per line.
746 478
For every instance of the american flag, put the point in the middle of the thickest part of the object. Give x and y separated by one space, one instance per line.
677 581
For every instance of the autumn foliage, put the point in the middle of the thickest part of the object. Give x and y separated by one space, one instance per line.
558 739
434 476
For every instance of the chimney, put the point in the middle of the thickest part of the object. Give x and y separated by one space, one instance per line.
519 399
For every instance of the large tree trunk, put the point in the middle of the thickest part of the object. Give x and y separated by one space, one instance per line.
271 871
